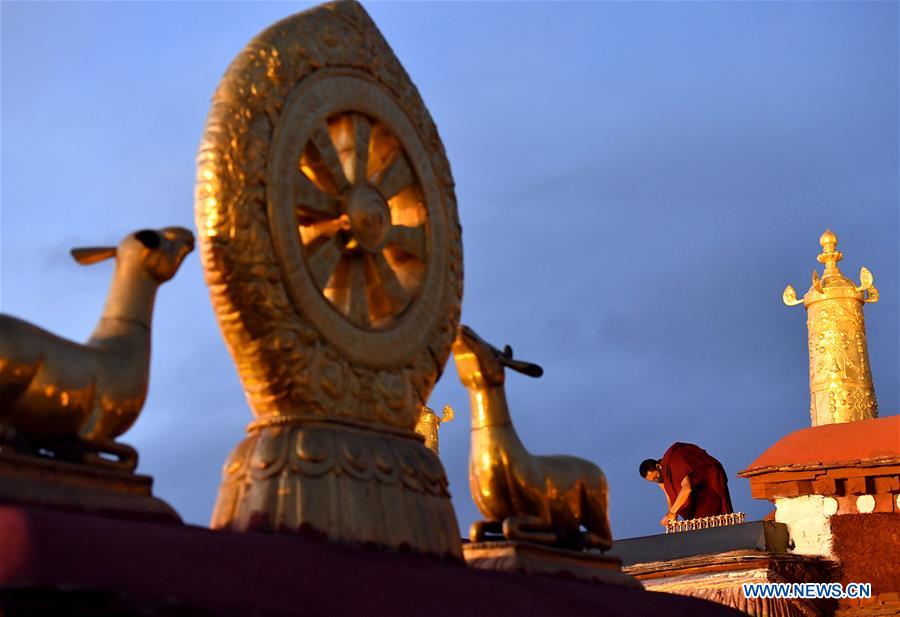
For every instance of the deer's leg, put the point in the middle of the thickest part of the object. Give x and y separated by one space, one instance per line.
596 517
126 456
479 530
595 540
529 529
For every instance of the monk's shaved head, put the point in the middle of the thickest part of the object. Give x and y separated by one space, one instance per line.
649 470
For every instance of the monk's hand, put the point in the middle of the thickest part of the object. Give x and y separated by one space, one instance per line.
668 518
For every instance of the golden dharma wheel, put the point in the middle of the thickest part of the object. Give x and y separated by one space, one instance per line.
357 218
331 245
330 235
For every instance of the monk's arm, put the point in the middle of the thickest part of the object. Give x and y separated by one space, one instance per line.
683 495
668 501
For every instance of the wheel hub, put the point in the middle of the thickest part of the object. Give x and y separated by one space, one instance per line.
368 217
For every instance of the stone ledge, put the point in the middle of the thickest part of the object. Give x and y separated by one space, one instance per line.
755 535
720 577
47 483
529 558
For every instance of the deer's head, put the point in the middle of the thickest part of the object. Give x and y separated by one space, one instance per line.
159 252
480 364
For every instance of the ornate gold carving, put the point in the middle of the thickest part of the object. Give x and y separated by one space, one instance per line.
428 425
840 378
541 499
332 249
790 296
73 400
349 484
375 253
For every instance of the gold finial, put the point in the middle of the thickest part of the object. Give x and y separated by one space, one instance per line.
828 240
840 379
829 255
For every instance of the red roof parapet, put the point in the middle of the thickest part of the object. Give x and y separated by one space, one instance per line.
836 460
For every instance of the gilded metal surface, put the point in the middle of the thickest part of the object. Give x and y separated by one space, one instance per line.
542 499
331 246
74 399
840 378
428 425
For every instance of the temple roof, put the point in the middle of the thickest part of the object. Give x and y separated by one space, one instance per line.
159 569
861 443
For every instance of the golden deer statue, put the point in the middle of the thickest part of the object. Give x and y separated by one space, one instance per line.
70 399
543 499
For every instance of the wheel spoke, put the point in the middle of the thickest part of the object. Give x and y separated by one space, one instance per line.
322 140
395 177
320 229
409 239
396 294
362 133
312 203
324 260
333 225
358 312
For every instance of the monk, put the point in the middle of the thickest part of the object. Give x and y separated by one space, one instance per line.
695 483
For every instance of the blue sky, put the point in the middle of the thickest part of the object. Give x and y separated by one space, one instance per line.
637 183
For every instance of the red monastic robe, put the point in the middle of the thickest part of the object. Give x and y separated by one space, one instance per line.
709 484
